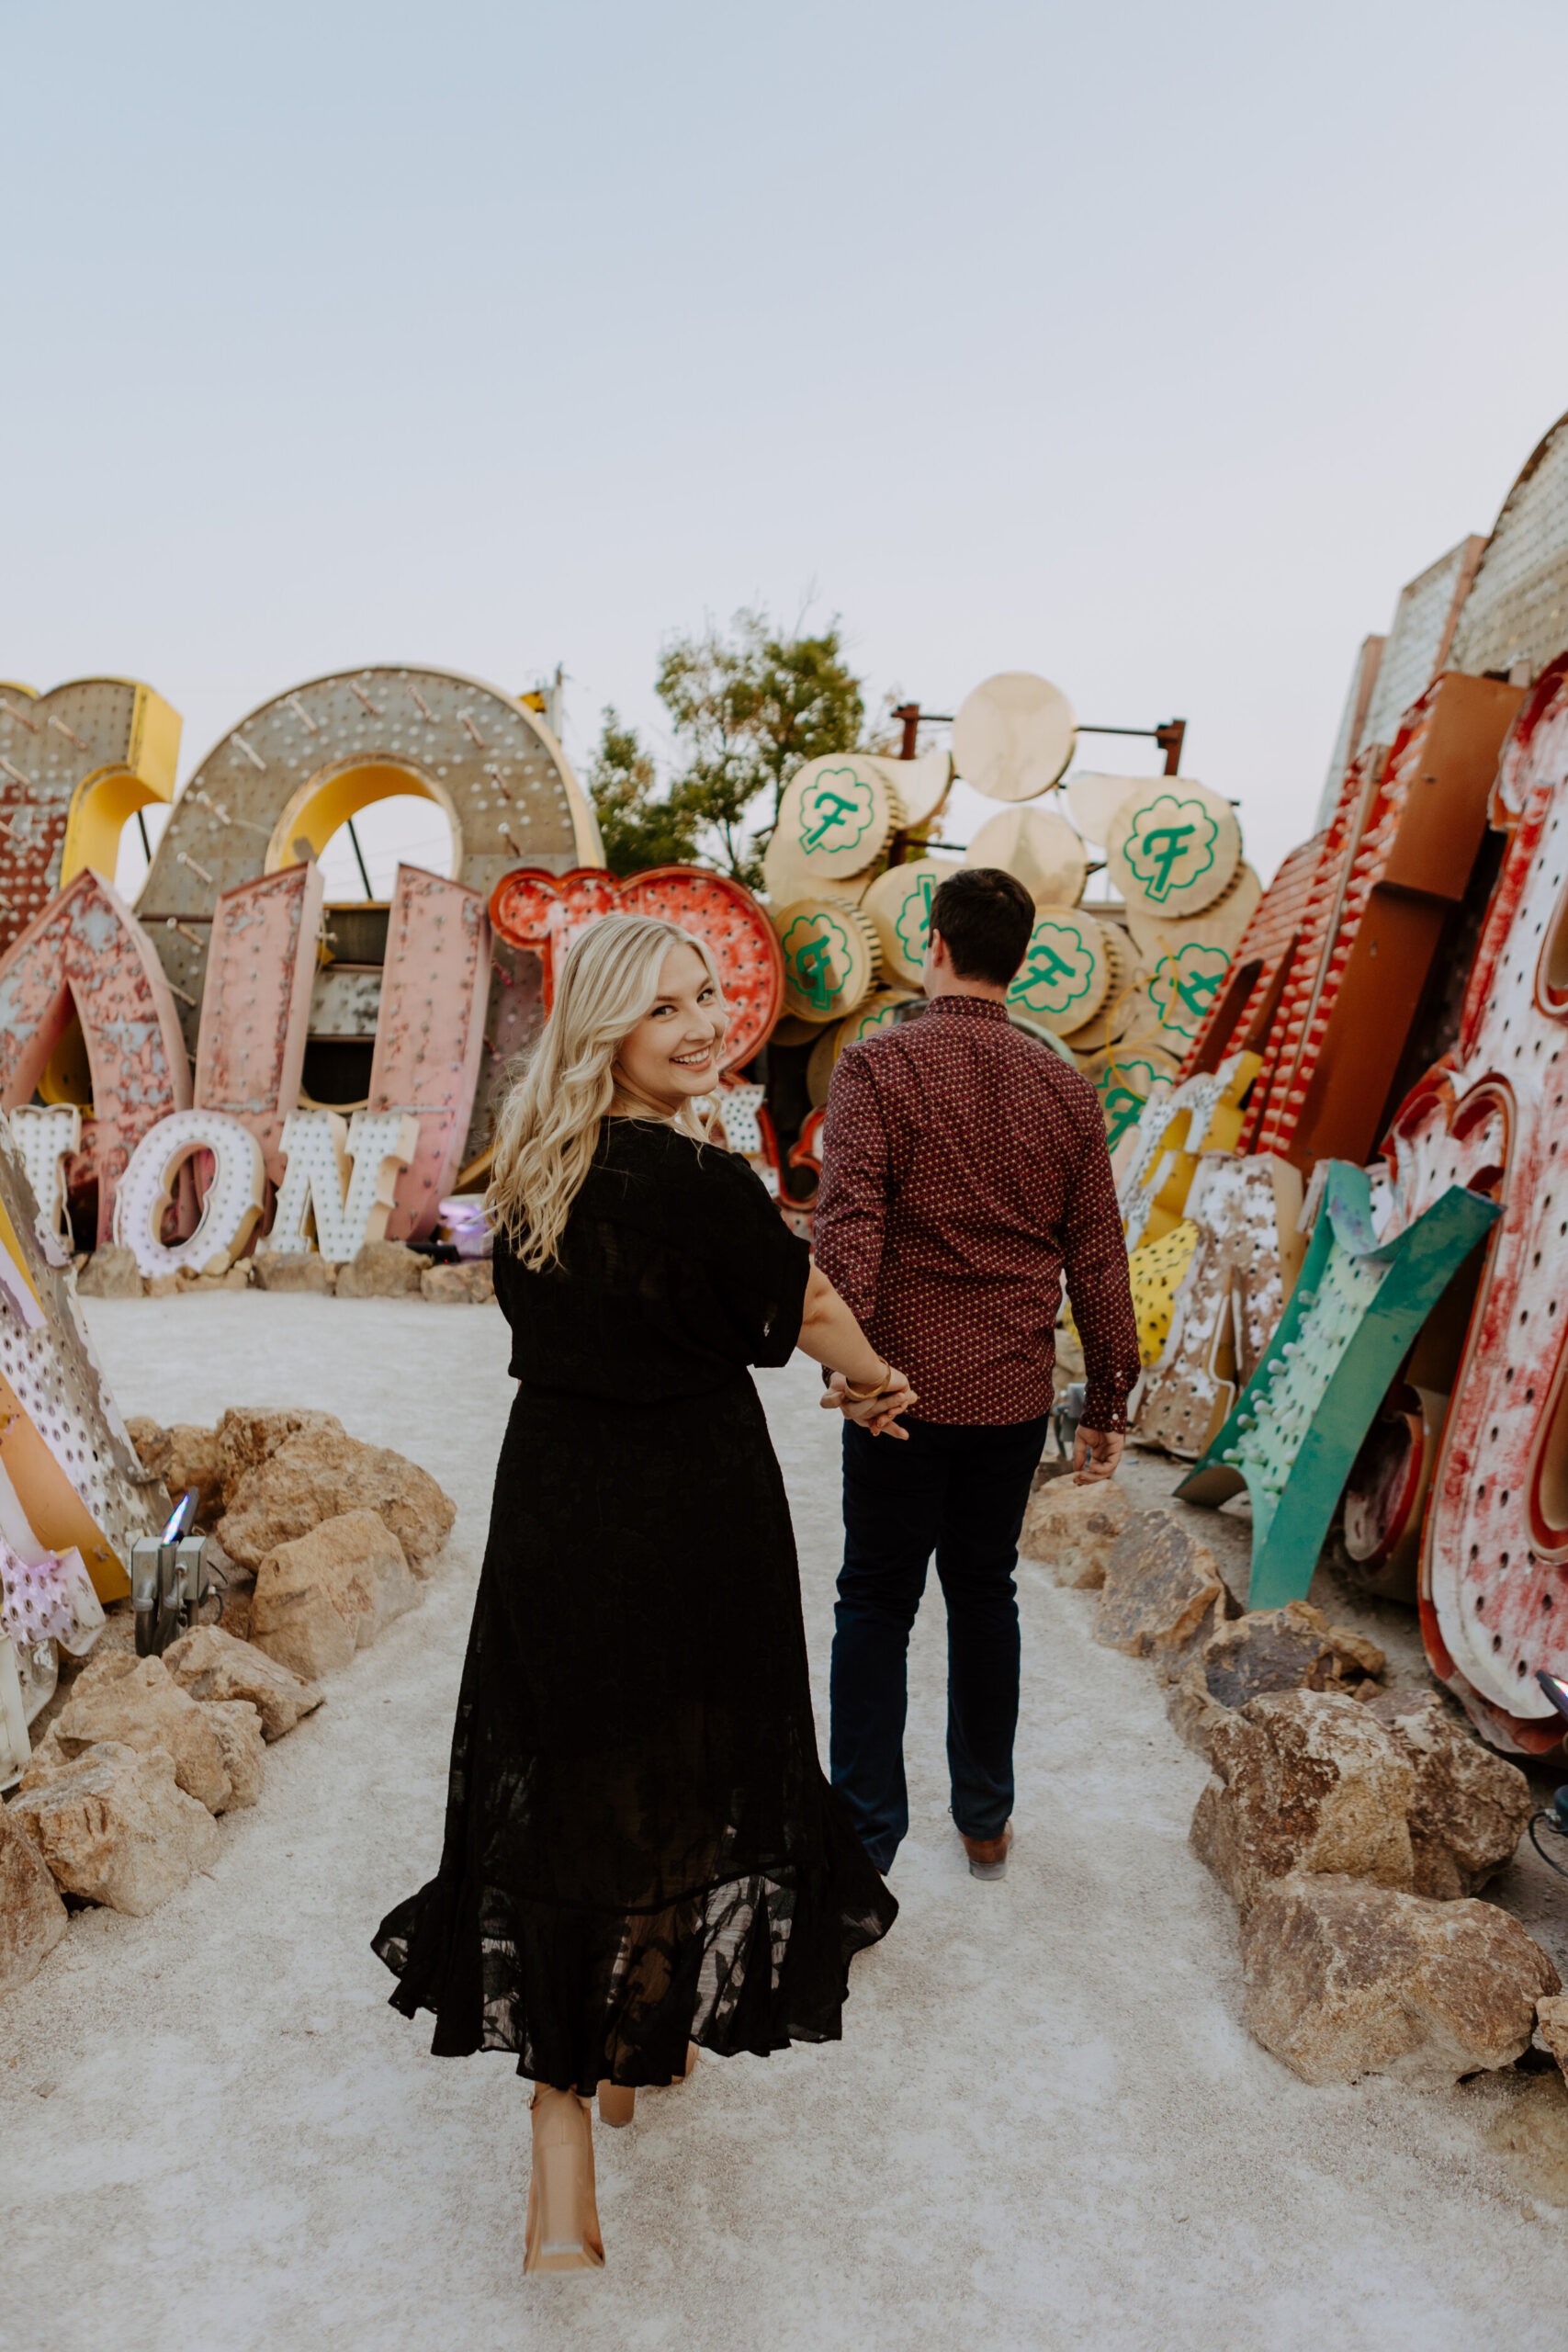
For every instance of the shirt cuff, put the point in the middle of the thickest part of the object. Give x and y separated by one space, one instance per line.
1105 1410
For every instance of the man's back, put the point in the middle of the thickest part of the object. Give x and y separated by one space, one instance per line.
965 1166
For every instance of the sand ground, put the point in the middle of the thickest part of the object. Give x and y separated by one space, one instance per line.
1045 2125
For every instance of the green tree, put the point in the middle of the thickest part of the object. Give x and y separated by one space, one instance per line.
749 708
641 825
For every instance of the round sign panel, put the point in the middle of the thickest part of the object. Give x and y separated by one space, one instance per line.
1040 847
836 816
1222 924
879 1011
899 904
1065 970
1183 988
1013 736
1174 846
1123 999
1095 799
1123 1083
922 785
830 957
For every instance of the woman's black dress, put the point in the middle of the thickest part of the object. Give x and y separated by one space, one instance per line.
640 1847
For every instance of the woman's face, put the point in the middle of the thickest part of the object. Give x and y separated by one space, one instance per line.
673 1054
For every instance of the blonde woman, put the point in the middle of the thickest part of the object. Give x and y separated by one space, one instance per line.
641 1851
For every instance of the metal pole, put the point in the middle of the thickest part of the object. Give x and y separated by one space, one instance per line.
359 860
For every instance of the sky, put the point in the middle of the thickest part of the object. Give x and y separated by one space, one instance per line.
1147 347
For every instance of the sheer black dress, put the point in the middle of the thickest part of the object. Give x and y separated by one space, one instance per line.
640 1846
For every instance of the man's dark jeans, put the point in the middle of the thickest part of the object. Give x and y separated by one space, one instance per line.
960 1492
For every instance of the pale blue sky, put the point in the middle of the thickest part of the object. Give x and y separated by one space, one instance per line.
1150 347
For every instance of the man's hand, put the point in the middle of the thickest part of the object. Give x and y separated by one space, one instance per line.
877 1414
1097 1454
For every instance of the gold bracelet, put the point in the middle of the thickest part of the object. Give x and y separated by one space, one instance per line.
864 1395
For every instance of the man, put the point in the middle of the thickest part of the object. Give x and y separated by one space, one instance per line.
964 1169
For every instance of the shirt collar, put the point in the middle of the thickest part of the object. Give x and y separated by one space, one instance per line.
969 1008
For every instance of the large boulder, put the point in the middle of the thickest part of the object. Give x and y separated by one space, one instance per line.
193 1460
1346 1978
153 1445
1163 1594
1304 1781
1072 1528
292 1269
216 1669
239 1729
249 1435
382 1270
319 1474
186 1456
472 1284
32 1917
117 1827
1552 2017
1292 1648
329 1593
137 1702
110 1273
1469 1808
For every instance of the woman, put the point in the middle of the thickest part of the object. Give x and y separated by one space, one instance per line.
641 1851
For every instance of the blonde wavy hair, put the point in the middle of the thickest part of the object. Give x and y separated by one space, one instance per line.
548 1127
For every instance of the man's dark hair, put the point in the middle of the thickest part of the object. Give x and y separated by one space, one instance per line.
986 917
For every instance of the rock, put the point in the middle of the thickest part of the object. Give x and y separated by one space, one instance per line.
382 1270
319 1474
1552 2017
1072 1528
32 1917
137 1702
118 1828
295 1270
163 1286
214 1669
239 1729
1163 1592
1292 1648
1469 1808
47 1761
1304 1781
110 1273
193 1461
1346 1978
249 1435
329 1593
472 1284
152 1439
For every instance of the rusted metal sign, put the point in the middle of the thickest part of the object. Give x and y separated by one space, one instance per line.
539 913
430 1034
1492 1118
87 953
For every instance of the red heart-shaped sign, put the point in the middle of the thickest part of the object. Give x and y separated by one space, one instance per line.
546 911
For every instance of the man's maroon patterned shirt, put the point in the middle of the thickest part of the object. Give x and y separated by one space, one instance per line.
963 1170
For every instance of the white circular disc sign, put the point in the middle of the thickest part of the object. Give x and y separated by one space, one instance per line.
1013 736
837 813
1174 846
1065 970
1039 847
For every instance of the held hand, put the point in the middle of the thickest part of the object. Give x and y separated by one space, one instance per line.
1096 1455
877 1414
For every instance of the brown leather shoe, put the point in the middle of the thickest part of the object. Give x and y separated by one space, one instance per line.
989 1856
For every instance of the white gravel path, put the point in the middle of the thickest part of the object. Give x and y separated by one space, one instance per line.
1046 2126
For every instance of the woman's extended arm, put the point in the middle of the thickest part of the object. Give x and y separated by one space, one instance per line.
830 1334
